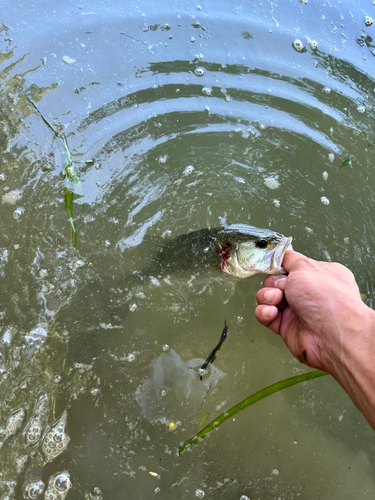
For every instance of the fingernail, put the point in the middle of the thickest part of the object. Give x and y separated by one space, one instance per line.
267 312
269 295
280 283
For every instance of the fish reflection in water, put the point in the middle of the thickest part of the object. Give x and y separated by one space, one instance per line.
171 380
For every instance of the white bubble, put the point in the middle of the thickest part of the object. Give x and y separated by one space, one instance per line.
244 497
327 90
324 200
199 493
166 347
276 203
17 214
43 273
77 264
163 159
368 21
331 157
157 490
207 91
68 60
271 182
163 392
275 472
192 39
361 109
133 307
188 170
199 71
325 175
131 357
298 45
313 44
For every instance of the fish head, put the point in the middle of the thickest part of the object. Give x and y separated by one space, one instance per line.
247 250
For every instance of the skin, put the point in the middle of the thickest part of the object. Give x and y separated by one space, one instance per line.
318 312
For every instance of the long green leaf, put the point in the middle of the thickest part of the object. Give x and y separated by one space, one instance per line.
254 398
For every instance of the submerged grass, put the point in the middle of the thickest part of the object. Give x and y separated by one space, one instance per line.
254 398
72 182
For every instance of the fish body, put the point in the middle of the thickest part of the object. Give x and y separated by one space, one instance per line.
239 250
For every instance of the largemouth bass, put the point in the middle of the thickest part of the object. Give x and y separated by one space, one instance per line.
239 250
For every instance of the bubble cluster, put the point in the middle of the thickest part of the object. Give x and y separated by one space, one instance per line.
12 426
368 21
11 197
199 71
331 157
298 45
207 91
361 109
33 489
58 486
56 440
133 307
324 200
313 44
34 431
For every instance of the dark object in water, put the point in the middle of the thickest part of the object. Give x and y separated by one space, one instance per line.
211 358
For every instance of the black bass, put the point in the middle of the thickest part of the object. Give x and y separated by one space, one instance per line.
239 250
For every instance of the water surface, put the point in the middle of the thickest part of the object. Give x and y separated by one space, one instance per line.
178 117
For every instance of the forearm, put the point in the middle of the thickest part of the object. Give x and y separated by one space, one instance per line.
354 366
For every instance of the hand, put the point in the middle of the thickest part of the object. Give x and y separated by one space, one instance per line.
314 309
318 311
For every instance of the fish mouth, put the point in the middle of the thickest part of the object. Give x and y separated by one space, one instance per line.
276 257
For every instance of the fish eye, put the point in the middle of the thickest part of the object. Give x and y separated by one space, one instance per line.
261 243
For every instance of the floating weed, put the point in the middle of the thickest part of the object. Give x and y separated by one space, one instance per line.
346 163
72 183
254 398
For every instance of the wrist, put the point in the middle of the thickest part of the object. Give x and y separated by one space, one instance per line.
353 365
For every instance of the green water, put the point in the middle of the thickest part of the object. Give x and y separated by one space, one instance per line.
178 117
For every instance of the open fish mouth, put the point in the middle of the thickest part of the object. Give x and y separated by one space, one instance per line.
275 259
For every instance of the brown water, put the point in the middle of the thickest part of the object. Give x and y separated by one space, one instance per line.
178 116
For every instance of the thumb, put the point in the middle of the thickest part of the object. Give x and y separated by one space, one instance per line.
293 259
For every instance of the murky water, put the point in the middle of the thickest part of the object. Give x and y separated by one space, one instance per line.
178 116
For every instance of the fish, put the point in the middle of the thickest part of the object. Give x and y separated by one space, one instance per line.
250 250
239 250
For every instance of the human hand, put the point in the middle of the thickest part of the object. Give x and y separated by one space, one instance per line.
318 311
315 309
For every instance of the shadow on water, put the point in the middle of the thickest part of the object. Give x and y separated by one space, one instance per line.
177 120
